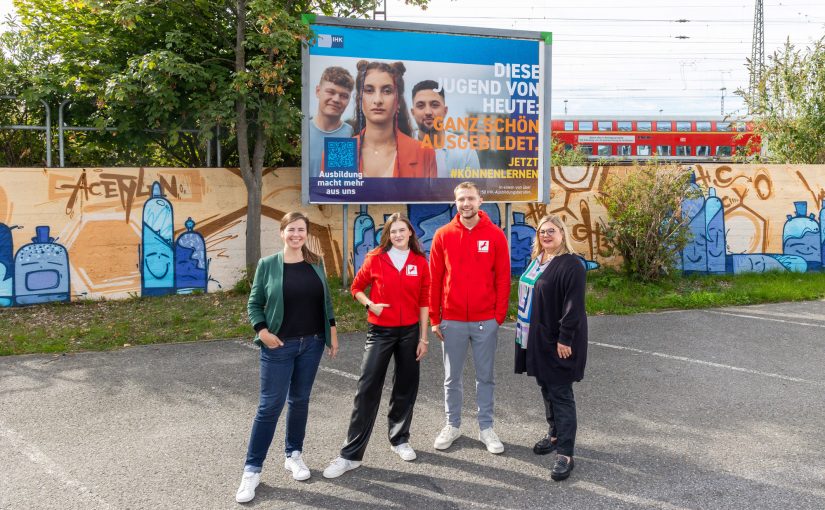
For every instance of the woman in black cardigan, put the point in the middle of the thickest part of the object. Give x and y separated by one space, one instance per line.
551 335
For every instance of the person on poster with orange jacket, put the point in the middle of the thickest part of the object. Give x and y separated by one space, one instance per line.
469 295
396 273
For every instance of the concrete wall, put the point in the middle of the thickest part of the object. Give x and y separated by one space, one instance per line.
71 233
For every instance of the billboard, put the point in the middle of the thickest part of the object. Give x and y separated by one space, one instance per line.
402 113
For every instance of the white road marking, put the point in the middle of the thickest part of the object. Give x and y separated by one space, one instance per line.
710 364
627 498
339 372
40 459
766 318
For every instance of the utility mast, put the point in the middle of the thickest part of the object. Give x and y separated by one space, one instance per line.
758 50
380 10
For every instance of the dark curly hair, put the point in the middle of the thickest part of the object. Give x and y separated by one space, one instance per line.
396 70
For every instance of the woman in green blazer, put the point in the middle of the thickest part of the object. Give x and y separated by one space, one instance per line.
291 310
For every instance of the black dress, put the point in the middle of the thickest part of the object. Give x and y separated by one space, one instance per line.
558 315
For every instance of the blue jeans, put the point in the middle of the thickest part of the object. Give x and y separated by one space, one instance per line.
287 374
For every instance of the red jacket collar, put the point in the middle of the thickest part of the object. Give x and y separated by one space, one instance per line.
484 220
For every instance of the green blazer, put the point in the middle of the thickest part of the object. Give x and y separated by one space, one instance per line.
266 300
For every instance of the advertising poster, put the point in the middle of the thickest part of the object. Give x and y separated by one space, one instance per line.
402 113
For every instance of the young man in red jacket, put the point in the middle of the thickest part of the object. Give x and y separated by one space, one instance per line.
469 294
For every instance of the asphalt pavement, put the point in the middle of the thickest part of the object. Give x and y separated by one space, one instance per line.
704 409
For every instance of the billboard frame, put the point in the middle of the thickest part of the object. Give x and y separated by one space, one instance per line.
544 39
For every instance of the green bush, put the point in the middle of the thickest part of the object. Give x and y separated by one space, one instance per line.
645 225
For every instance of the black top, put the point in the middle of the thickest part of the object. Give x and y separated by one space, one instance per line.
303 301
558 316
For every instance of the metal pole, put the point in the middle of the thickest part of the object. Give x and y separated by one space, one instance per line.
345 264
208 152
508 213
60 133
218 144
48 133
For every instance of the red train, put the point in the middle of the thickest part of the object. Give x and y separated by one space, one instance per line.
666 138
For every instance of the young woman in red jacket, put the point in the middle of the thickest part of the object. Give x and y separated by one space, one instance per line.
399 282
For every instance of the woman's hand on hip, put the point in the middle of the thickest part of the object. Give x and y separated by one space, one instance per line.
270 340
377 308
333 347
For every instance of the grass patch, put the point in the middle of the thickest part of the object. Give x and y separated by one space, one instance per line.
87 325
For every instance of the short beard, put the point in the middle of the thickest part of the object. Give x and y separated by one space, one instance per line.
428 130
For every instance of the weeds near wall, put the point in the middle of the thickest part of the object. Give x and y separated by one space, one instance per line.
645 224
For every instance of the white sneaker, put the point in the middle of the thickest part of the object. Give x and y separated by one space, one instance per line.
405 451
491 440
246 492
339 466
295 463
446 437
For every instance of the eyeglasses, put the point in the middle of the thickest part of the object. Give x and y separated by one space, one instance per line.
548 232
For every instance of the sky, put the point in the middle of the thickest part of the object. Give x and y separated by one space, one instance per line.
633 57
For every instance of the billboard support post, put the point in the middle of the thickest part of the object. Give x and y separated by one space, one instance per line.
345 248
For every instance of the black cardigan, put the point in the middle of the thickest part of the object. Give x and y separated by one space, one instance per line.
558 315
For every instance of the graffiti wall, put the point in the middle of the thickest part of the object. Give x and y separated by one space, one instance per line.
111 233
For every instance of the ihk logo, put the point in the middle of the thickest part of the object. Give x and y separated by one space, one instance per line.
330 41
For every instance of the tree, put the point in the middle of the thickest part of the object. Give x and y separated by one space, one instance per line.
178 64
788 106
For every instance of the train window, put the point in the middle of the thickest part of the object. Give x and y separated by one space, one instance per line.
663 150
587 150
741 150
723 126
682 126
703 150
740 126
585 125
703 126
624 125
604 150
663 126
568 125
723 151
643 126
568 146
605 125
623 150
683 150
643 150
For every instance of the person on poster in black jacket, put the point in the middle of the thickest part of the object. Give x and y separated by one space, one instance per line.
551 335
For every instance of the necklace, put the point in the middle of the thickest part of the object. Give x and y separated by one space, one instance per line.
378 148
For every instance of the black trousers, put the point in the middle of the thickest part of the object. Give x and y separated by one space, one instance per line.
399 343
560 411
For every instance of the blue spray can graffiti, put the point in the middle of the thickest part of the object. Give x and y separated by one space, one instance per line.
822 231
363 237
191 265
41 271
426 219
157 261
6 266
715 231
801 236
694 254
521 243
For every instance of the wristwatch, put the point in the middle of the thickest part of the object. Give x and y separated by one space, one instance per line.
367 306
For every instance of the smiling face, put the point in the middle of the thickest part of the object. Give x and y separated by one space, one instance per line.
379 100
468 202
550 237
295 234
332 99
400 235
427 106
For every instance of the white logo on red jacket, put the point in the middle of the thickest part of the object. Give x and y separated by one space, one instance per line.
484 246
412 270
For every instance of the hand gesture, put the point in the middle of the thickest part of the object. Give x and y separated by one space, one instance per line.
564 351
377 308
270 340
437 332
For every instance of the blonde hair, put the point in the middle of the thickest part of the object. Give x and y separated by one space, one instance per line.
309 255
466 185
565 247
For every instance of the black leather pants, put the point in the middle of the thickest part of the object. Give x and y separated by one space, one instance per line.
384 343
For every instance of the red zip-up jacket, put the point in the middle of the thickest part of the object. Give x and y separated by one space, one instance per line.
406 291
470 272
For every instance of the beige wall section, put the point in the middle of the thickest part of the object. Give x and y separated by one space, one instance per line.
96 214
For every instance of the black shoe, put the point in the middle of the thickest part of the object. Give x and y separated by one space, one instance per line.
561 470
544 446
